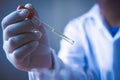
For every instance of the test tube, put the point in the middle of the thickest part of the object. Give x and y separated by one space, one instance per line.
52 29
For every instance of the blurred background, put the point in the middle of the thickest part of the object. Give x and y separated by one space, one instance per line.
56 13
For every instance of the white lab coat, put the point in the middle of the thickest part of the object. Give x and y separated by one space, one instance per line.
89 58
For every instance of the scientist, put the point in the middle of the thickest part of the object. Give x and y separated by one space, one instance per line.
93 56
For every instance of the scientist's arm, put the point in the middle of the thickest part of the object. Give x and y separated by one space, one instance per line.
24 42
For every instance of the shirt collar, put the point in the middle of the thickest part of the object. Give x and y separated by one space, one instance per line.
100 22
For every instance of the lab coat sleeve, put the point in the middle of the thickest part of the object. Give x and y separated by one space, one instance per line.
61 71
71 62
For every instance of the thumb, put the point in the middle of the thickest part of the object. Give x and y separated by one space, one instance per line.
34 15
31 7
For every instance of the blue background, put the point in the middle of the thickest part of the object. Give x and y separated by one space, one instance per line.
56 13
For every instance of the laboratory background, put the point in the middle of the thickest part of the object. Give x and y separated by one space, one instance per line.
56 13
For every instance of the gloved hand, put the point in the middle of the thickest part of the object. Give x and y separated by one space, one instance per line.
25 42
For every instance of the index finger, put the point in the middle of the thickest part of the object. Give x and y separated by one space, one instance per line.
13 17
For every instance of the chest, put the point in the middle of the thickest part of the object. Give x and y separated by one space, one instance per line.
102 47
